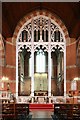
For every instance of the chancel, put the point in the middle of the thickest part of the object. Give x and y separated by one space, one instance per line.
40 57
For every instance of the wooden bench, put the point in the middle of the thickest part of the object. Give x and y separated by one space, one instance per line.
14 111
21 111
66 111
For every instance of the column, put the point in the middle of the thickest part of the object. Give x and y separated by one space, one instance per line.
64 70
49 61
32 74
49 71
32 60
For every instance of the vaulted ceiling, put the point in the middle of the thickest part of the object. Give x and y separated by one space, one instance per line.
69 13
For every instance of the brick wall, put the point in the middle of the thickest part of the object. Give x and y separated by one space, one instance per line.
9 69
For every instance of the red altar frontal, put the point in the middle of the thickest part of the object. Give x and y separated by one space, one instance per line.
41 106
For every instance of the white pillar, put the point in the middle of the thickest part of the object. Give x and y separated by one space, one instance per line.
32 60
64 71
49 61
32 74
49 72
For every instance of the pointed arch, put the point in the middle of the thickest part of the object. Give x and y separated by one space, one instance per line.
50 46
46 13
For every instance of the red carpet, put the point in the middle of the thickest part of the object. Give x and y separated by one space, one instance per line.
41 106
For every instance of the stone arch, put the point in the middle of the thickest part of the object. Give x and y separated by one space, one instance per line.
36 13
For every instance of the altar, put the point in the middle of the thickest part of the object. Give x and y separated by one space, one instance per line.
40 93
40 99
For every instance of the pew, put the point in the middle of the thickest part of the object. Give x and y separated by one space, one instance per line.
21 111
8 111
14 111
66 112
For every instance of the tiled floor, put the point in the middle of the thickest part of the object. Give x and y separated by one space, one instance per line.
42 114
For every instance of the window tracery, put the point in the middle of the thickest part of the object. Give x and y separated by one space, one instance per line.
41 31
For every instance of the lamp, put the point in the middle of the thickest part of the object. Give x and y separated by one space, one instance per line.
3 79
73 85
73 88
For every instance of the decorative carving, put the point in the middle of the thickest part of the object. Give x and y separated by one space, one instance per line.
41 24
27 46
41 31
28 29
55 46
44 46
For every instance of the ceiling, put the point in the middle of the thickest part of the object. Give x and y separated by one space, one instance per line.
69 12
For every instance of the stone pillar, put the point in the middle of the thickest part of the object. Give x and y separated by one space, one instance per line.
49 61
49 72
32 74
32 60
64 70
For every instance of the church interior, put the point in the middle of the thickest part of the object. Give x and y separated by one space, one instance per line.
40 58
